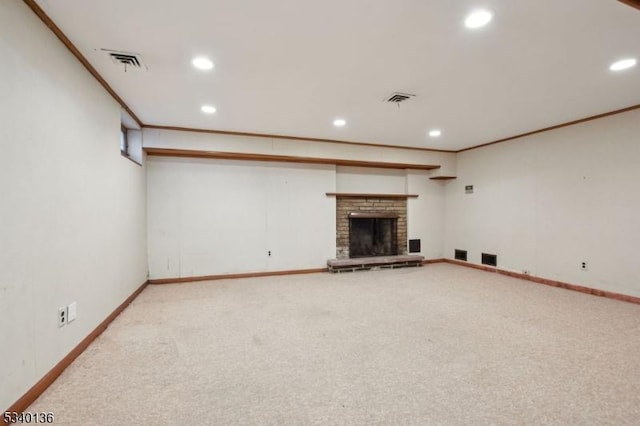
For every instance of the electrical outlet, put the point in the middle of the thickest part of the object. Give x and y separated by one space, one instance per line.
583 265
62 316
72 311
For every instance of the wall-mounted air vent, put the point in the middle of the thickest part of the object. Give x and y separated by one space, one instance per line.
489 259
414 246
127 59
398 97
460 255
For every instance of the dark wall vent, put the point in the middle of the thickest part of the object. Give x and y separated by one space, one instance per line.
460 255
489 259
414 246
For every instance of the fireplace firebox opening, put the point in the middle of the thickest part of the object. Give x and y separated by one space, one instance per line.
372 234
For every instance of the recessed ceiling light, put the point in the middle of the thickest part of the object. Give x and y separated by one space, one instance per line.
623 64
208 109
339 122
435 133
202 63
478 19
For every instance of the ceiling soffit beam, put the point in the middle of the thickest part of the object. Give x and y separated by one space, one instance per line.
169 152
295 138
632 3
74 50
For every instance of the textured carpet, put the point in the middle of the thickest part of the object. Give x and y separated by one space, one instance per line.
440 344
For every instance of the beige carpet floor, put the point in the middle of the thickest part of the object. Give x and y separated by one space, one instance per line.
441 344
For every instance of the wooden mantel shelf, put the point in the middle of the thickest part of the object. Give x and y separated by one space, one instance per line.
167 152
359 195
442 177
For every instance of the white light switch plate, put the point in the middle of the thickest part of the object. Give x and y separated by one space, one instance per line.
73 312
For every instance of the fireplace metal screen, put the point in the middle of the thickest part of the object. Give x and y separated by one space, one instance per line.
372 236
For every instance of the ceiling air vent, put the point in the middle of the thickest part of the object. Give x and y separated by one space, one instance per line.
128 59
398 97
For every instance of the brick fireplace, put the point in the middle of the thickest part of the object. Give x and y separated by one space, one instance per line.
381 215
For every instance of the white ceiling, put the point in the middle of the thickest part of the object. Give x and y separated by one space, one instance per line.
290 67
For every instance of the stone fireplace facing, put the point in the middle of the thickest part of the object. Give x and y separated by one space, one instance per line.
372 226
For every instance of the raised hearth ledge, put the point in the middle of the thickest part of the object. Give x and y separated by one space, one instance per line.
358 195
363 263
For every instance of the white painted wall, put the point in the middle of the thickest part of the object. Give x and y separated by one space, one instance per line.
72 209
547 202
425 214
366 180
211 217
193 204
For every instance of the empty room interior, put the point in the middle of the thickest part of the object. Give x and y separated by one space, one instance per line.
329 212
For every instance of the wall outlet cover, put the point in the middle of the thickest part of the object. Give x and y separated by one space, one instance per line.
62 316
